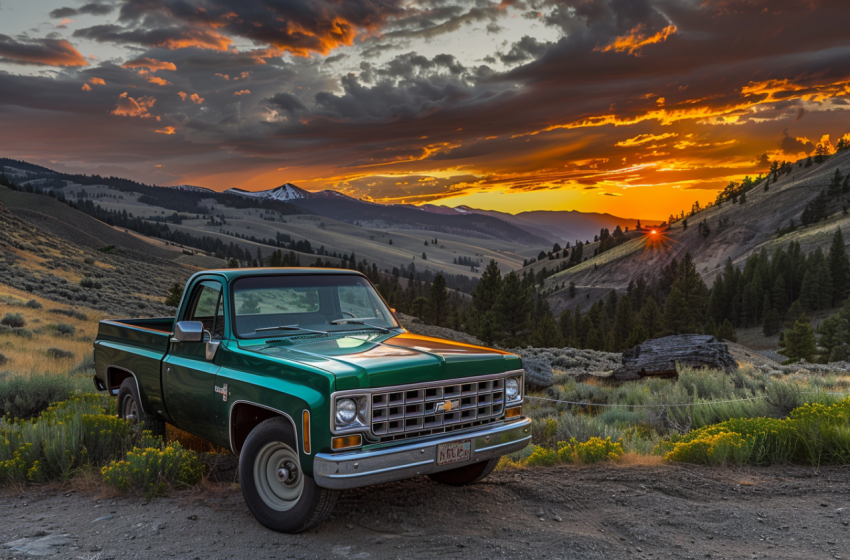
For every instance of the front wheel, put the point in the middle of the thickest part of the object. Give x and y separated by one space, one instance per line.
464 476
276 491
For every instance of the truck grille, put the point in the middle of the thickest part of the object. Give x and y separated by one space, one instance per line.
417 411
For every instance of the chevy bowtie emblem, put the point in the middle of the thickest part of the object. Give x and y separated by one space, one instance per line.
448 406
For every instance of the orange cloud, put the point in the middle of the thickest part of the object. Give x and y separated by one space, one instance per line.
166 130
151 64
636 40
644 139
198 38
157 80
46 52
242 92
130 107
195 98
225 76
86 87
97 81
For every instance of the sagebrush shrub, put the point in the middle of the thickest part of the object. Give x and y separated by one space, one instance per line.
13 320
59 354
65 329
152 470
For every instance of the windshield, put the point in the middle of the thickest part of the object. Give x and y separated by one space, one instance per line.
274 306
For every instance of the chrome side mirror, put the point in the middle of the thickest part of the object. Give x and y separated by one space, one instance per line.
188 331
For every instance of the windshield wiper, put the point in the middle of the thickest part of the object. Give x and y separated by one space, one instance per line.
359 321
289 328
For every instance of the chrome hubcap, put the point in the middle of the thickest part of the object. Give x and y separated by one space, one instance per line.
131 413
277 476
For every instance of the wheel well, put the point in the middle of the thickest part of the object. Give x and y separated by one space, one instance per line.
115 377
244 417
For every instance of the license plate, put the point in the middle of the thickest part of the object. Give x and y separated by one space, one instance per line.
453 452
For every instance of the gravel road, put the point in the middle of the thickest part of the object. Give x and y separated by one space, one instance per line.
563 512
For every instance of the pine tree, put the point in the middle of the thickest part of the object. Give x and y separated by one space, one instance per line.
566 323
623 324
772 322
573 290
710 326
438 300
800 340
174 295
727 331
839 269
651 319
512 306
794 312
486 293
684 311
547 334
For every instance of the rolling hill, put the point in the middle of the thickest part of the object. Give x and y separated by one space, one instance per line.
732 231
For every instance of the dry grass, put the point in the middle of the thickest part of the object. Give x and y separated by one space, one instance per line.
192 442
638 460
29 355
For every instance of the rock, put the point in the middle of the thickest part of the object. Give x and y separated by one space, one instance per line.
659 356
538 373
47 545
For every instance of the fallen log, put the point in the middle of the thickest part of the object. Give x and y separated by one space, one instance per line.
659 356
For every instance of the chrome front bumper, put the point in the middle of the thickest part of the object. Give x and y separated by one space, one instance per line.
366 468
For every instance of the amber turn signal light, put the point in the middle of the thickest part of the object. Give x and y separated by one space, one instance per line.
306 428
338 443
514 412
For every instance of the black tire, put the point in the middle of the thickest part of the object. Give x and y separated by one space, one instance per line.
130 409
286 504
464 476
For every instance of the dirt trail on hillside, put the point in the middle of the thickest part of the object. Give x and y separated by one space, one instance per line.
599 512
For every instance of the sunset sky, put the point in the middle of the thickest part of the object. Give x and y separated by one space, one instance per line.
634 107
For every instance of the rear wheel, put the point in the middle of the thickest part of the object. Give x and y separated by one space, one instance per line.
464 476
130 409
276 490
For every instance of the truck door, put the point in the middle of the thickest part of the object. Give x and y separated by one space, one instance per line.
188 377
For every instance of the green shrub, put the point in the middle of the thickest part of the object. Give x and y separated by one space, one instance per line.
542 457
591 451
3 360
814 434
64 329
82 431
13 320
33 304
89 283
27 396
73 313
59 354
154 469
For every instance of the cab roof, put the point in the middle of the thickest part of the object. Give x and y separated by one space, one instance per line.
235 273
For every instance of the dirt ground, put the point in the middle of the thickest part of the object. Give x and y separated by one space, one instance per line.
564 512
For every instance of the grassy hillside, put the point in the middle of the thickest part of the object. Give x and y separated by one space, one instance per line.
115 279
736 231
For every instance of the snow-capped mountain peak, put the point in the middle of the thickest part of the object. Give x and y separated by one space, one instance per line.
284 192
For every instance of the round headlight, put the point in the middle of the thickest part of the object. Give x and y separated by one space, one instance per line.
511 389
346 412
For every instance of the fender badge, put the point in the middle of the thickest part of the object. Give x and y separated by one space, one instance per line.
222 391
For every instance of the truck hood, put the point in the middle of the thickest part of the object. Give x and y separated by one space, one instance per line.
368 361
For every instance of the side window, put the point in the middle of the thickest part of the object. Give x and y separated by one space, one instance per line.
207 306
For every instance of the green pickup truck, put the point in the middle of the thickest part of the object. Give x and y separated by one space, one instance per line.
308 377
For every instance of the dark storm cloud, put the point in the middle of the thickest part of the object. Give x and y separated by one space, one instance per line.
793 146
527 48
300 27
63 13
44 52
670 71
287 102
92 8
